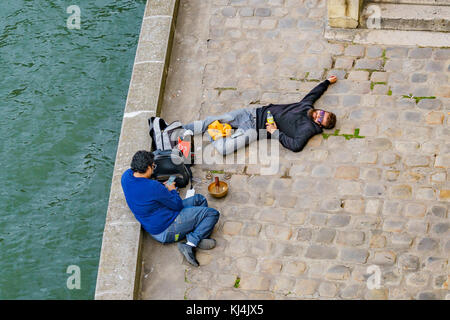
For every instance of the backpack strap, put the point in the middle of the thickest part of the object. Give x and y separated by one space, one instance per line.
158 133
151 129
173 125
150 122
168 134
166 140
188 167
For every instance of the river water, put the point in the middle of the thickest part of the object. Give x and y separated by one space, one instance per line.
62 96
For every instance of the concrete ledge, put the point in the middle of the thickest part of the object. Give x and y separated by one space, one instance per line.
119 267
421 2
344 13
410 17
389 37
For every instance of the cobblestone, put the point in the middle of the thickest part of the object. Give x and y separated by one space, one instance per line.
378 241
253 282
338 272
325 236
328 289
430 104
392 208
384 258
369 64
436 264
358 75
417 279
247 264
321 252
283 285
344 63
377 294
306 287
232 228
416 210
294 268
426 296
417 227
304 234
354 50
351 291
354 255
337 221
352 238
270 266
374 52
311 230
427 244
347 172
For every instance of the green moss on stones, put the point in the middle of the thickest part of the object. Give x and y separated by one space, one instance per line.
355 135
411 96
383 56
373 84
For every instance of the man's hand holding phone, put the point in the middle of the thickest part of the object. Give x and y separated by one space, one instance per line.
170 184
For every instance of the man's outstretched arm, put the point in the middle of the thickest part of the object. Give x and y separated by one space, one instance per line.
318 91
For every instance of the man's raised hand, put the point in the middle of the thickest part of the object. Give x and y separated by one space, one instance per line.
332 79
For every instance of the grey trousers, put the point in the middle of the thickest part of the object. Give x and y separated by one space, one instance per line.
243 120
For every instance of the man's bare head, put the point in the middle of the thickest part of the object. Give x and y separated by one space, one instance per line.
323 118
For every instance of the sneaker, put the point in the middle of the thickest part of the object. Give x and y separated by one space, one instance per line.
188 253
207 244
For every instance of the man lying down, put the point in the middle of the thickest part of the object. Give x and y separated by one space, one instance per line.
294 124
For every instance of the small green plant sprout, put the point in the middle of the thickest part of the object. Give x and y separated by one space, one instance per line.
236 283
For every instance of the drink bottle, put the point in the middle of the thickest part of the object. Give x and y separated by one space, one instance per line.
270 119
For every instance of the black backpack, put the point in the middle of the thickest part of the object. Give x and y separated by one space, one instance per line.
171 163
168 158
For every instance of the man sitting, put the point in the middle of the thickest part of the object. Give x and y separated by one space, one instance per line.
294 125
161 211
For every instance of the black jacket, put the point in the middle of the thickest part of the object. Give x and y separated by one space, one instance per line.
295 127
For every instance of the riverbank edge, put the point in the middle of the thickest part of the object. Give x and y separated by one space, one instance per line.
120 262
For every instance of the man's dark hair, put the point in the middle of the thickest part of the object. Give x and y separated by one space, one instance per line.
331 121
141 161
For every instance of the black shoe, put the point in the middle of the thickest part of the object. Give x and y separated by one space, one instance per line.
188 253
207 244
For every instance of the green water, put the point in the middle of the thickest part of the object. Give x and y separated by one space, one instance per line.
62 95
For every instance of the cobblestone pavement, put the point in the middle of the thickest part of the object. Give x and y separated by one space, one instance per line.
339 206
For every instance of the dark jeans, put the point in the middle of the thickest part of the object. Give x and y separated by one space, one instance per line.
195 222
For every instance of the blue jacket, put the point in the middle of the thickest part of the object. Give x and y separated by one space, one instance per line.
152 204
